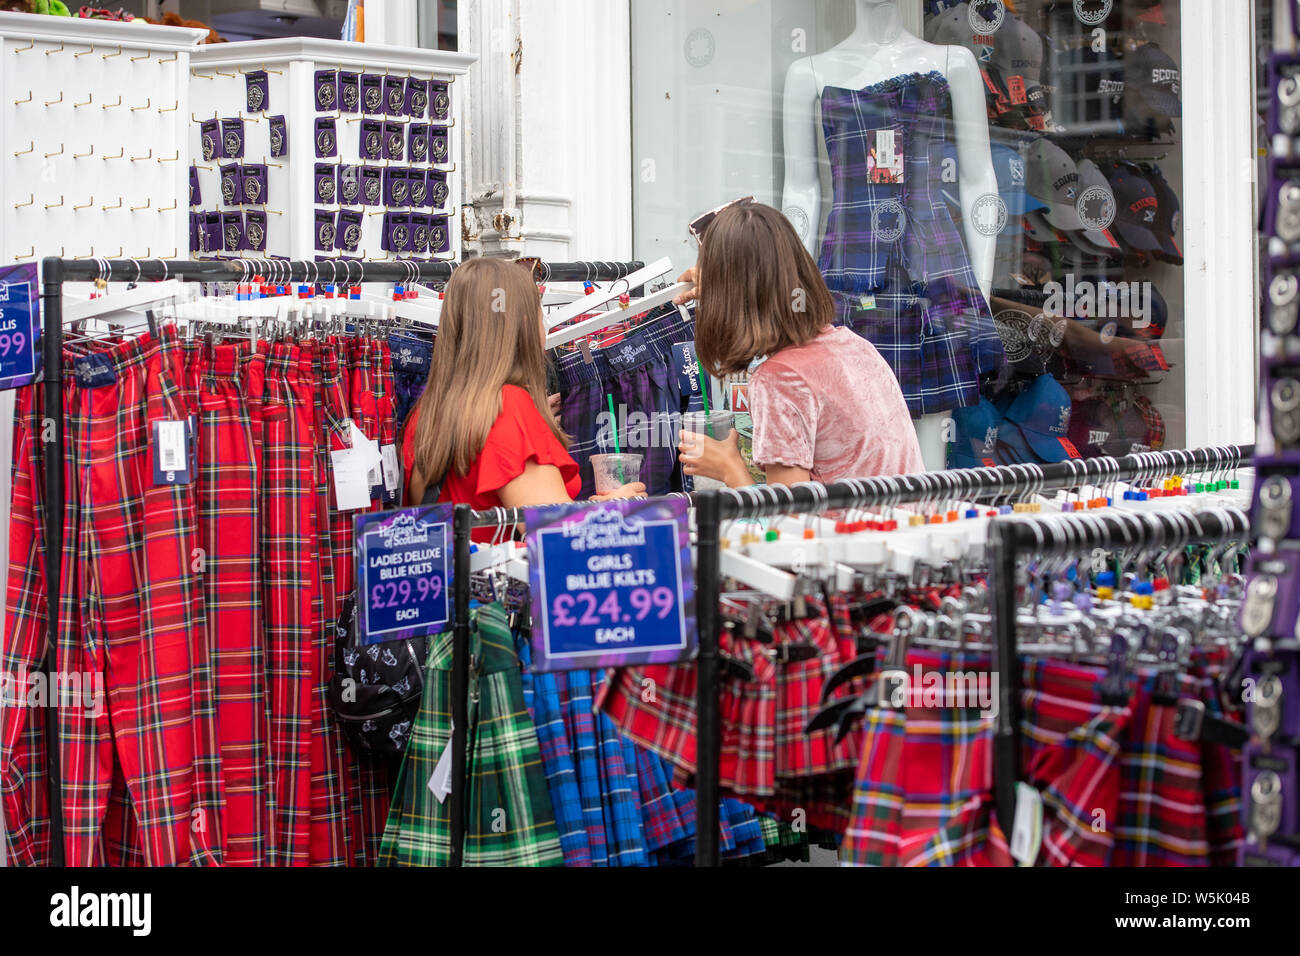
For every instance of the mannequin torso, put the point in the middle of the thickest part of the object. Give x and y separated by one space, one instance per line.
880 49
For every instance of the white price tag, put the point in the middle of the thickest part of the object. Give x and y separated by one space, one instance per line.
1027 834
171 446
440 779
351 480
392 473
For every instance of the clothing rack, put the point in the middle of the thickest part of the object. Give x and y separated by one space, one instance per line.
55 271
1024 536
715 507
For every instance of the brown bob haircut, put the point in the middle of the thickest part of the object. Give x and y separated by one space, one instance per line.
760 291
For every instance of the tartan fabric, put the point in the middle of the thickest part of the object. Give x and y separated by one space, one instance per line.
542 698
664 809
580 723
290 580
1071 753
131 612
1222 781
799 688
638 371
620 794
418 828
897 241
228 502
23 785
410 362
510 818
1162 816
925 785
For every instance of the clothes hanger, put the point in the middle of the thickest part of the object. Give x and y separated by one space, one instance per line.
604 320
599 297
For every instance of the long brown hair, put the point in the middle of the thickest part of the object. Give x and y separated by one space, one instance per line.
489 336
760 291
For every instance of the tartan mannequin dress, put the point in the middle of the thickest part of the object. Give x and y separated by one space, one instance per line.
892 256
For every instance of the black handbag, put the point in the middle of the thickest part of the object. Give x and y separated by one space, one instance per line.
375 690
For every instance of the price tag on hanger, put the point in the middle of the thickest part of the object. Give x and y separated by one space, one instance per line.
172 443
20 324
611 585
403 572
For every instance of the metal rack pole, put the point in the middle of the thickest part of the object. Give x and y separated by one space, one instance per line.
708 743
459 681
52 460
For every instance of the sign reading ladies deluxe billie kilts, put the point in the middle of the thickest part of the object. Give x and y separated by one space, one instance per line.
20 324
403 573
611 584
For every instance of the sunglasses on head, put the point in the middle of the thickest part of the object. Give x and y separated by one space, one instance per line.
701 223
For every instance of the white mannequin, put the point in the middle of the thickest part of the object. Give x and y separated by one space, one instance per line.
879 49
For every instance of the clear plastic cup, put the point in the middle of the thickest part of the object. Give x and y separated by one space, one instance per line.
614 471
717 424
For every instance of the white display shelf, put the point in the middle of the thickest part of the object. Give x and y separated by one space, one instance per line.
218 89
92 143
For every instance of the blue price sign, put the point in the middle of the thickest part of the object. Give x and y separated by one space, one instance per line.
20 325
403 573
611 584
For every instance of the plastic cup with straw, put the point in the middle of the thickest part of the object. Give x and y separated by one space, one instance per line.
618 450
704 394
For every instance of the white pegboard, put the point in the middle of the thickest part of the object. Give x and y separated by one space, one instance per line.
92 144
218 90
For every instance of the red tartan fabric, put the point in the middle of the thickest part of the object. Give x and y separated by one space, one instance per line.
206 609
228 507
23 784
1162 818
129 613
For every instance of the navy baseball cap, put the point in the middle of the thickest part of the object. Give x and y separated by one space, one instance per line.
975 439
1093 424
1136 207
1152 89
1169 219
1041 413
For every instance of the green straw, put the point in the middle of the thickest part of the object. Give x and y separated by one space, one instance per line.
618 450
704 394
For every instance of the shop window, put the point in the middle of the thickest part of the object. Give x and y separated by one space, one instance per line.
992 191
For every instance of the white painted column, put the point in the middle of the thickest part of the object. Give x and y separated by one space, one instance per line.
1219 171
548 106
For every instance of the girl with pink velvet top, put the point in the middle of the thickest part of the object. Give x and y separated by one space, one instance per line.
825 404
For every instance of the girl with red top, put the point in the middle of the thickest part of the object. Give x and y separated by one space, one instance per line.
483 426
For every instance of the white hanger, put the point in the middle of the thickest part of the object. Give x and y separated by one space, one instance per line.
598 323
121 301
599 297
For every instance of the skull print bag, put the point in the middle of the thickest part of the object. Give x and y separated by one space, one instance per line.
376 688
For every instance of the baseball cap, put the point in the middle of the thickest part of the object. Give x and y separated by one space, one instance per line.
1041 413
1156 319
975 435
1019 58
1054 179
1089 91
1169 218
1152 89
1011 171
1093 423
1040 230
1136 207
1096 207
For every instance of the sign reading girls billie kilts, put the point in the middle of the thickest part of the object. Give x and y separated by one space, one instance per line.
403 573
611 584
20 324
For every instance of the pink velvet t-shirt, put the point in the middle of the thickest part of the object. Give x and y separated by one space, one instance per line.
832 406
